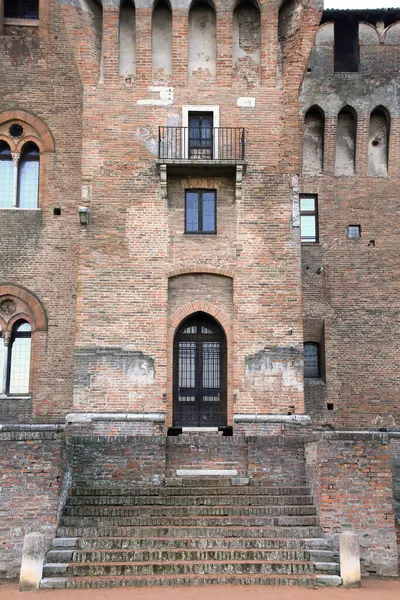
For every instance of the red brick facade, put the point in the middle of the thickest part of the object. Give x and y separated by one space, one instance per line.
105 299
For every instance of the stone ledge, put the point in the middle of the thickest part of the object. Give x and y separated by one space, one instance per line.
82 418
301 420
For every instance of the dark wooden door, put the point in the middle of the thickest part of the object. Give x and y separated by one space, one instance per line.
201 136
199 373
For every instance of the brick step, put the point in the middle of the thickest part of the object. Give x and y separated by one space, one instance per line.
194 491
177 568
184 554
236 500
221 521
186 511
182 532
175 580
137 543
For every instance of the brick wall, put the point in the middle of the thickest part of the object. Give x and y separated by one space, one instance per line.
207 451
395 447
351 479
117 461
32 465
350 285
38 250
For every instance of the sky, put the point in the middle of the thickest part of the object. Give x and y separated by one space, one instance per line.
361 4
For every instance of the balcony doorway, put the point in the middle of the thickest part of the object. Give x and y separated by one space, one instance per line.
201 136
200 373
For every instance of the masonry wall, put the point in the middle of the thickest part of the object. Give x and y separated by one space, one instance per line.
351 480
136 242
350 285
32 468
38 250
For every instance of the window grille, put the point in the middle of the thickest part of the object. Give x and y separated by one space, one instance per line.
21 9
311 360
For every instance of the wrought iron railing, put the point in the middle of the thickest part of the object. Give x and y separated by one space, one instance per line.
216 144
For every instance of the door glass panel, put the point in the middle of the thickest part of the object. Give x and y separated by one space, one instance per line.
187 364
211 364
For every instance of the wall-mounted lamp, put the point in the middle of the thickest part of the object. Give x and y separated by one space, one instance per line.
84 214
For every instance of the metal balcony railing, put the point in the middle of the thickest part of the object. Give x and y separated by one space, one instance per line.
202 144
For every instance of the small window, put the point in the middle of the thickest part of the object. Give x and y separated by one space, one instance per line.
200 211
311 360
21 9
309 219
17 357
354 232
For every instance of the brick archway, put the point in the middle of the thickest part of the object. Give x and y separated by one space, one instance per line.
224 321
22 305
44 138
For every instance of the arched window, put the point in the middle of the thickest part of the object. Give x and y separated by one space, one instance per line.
312 368
202 41
346 141
28 177
6 176
378 150
313 148
127 39
15 359
161 40
246 38
21 9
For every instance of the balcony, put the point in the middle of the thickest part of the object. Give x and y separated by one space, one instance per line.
218 151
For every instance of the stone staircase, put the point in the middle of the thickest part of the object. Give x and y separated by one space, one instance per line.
201 532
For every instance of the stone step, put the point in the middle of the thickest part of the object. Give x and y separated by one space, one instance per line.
196 532
236 500
186 511
190 542
177 568
193 491
175 580
221 521
321 557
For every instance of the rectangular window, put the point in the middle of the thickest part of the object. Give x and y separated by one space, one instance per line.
354 232
200 136
21 9
347 47
309 219
200 211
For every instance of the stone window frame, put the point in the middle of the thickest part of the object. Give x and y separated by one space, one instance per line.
199 108
39 134
19 304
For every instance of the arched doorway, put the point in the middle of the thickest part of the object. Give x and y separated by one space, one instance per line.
200 379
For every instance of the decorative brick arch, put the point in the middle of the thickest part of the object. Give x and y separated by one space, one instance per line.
225 321
17 303
43 137
200 270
